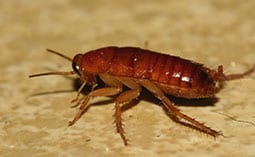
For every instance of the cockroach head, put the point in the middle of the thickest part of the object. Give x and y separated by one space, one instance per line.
77 64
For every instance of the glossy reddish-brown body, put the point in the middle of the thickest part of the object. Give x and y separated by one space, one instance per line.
135 68
174 75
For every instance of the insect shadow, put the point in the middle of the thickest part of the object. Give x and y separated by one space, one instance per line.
145 96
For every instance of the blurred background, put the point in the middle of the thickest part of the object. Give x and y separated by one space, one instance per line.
34 113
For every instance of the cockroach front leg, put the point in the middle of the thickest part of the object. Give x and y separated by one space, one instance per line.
175 112
107 91
79 91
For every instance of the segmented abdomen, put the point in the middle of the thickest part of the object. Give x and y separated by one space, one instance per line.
176 76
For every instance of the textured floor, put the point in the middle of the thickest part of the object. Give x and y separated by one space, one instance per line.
34 113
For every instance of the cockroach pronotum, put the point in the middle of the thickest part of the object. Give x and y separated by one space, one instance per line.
135 68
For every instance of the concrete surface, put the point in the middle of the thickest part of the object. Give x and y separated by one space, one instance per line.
34 113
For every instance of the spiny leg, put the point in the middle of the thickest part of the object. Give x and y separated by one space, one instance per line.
114 89
175 111
107 91
196 124
124 98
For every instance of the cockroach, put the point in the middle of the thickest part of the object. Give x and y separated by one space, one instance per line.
135 68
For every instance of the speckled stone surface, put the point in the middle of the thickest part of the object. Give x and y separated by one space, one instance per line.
34 113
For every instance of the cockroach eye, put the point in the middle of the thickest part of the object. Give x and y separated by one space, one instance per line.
76 68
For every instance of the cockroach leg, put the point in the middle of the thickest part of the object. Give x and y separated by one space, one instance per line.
79 91
107 91
194 123
124 98
114 89
240 75
175 112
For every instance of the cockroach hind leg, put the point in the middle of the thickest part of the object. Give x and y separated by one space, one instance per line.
239 75
187 121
